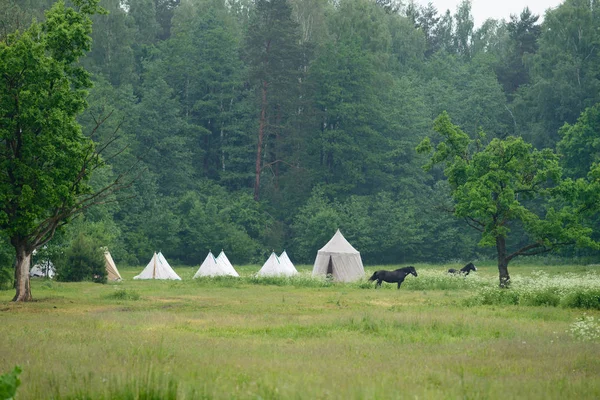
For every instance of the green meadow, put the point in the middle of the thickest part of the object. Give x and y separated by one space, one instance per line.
438 337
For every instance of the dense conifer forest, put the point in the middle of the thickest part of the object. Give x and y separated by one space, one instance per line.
257 125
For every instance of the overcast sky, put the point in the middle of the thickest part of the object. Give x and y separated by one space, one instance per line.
497 9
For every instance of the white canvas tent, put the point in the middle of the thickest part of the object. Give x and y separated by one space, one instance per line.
287 263
339 259
211 267
225 265
44 269
111 267
158 268
274 266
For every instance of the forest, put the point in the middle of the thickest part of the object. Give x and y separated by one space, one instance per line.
260 125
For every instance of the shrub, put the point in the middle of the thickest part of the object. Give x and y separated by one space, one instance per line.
82 261
582 298
544 297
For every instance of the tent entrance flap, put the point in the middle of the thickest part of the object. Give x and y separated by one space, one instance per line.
330 267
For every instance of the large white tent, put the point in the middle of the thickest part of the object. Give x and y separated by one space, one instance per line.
276 267
211 267
111 267
158 268
225 265
339 259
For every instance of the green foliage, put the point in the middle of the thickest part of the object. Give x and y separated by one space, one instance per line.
315 224
82 260
212 222
9 382
563 71
582 298
7 262
580 143
123 294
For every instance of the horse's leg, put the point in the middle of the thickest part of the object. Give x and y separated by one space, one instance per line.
378 284
399 283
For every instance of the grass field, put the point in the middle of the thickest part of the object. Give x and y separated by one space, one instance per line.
438 337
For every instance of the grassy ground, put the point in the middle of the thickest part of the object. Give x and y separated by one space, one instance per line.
300 339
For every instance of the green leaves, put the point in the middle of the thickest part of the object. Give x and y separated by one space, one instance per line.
9 383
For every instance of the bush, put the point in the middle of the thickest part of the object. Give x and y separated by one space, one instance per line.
582 298
544 297
82 261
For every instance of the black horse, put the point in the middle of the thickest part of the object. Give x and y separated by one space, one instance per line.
464 270
392 276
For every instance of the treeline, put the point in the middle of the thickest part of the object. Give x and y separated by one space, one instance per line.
261 125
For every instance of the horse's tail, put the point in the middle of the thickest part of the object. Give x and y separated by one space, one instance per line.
372 278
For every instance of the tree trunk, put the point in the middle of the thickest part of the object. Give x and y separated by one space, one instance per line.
261 133
502 262
22 285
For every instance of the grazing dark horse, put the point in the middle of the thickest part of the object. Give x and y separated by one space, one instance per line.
464 270
392 276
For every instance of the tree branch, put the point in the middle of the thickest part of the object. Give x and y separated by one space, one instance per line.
473 223
528 250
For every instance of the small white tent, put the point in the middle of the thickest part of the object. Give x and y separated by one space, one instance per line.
158 268
275 267
111 267
210 267
44 269
225 265
287 263
339 259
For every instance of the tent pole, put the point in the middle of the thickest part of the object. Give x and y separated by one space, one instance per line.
154 267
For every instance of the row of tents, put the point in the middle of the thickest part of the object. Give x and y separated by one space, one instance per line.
46 269
159 268
337 259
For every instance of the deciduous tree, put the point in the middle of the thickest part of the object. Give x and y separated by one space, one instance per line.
45 160
508 184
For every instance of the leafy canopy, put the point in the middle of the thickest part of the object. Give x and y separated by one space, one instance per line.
44 155
507 183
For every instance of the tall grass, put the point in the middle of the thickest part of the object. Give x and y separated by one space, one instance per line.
148 385
123 294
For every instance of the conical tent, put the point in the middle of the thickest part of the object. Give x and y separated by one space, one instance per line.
210 267
274 267
225 265
340 260
287 263
111 268
158 268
